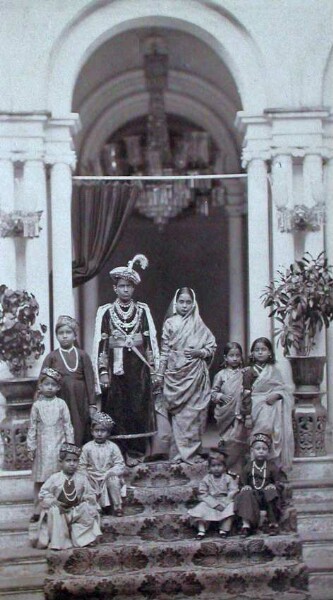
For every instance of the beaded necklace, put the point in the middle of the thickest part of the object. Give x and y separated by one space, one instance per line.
62 354
125 314
70 494
120 325
262 470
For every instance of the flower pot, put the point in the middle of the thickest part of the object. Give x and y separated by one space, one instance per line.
19 394
309 415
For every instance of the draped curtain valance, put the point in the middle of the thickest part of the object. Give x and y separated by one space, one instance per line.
100 211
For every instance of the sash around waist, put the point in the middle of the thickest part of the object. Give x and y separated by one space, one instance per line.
126 341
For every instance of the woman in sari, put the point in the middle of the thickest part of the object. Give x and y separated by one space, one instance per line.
188 347
271 403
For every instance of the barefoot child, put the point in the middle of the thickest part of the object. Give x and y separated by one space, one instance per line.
261 488
216 493
70 512
50 426
104 465
77 385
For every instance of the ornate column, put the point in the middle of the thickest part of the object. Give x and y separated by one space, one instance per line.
7 205
61 195
329 253
37 252
235 210
258 247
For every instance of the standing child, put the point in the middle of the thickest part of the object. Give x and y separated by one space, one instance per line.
232 399
50 426
216 493
70 512
77 386
261 488
271 402
104 465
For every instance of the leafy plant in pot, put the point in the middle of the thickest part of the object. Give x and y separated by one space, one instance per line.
20 345
301 300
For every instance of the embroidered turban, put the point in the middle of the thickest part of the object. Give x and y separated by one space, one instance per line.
262 437
49 372
69 321
100 418
67 448
128 272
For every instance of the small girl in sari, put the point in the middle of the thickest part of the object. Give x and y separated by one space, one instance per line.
271 403
77 384
187 346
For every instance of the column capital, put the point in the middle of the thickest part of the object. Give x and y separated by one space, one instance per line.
249 156
68 159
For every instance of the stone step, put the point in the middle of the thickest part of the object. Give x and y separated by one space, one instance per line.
318 467
14 535
15 485
315 518
10 512
229 582
321 585
312 490
210 552
27 587
165 474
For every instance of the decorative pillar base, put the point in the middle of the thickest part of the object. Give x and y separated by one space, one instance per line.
19 395
309 424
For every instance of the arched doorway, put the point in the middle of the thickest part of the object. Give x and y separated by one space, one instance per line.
193 250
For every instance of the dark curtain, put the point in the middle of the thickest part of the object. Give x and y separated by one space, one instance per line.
100 211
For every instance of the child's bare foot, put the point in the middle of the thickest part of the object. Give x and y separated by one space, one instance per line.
118 512
200 535
245 532
273 529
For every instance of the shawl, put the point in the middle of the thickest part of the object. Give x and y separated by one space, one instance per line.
232 386
276 419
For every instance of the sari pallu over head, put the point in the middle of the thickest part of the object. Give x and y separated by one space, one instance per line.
186 379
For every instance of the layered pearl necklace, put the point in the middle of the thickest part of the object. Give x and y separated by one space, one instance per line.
69 493
262 470
62 354
118 320
125 314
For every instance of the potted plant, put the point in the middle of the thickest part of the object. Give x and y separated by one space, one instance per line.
301 301
20 345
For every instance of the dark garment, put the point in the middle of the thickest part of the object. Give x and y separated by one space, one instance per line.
77 389
129 400
249 502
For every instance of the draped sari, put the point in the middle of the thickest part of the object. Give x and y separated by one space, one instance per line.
186 380
274 419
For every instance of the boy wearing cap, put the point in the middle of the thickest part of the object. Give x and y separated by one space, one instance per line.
104 465
69 515
125 355
261 488
50 426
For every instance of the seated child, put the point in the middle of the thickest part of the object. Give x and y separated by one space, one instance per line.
104 465
216 493
50 426
261 488
69 515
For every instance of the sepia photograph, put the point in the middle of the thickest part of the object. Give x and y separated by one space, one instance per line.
166 299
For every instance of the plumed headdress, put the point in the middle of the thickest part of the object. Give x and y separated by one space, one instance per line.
128 272
49 372
100 418
67 448
69 321
262 437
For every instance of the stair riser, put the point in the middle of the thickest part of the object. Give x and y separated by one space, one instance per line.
13 488
313 495
315 523
23 595
210 553
18 569
321 586
14 540
190 582
11 513
318 468
318 554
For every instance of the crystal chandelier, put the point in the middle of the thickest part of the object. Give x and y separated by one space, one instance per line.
188 154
